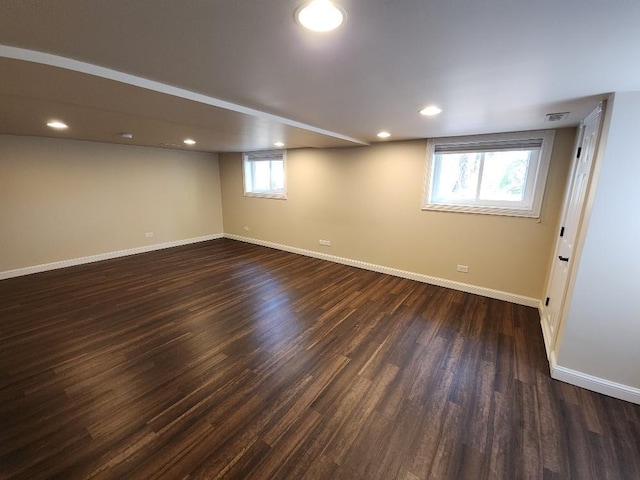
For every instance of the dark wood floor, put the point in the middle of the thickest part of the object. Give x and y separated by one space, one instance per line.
228 360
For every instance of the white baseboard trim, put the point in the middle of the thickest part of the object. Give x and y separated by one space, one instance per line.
546 334
18 272
595 384
441 282
552 361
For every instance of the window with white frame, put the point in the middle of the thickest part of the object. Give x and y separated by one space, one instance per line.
503 174
264 174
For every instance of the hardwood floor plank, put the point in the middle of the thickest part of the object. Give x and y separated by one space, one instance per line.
226 360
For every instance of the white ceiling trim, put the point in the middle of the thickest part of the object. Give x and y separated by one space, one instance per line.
34 56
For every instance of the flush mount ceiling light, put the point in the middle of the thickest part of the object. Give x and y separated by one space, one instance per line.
320 16
188 141
278 144
57 124
430 111
384 135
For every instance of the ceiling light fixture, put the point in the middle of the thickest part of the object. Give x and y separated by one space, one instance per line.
320 16
188 141
127 136
384 135
57 124
430 111
278 144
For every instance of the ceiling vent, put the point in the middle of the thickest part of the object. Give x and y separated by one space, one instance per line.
556 117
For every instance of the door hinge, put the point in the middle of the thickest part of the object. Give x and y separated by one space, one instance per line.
562 232
579 151
546 302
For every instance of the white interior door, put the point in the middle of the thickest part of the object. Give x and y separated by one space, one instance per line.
571 216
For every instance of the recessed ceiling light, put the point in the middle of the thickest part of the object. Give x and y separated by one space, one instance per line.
278 144
128 136
188 141
430 110
320 16
57 124
384 135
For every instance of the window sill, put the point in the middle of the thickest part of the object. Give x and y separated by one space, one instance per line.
509 212
275 196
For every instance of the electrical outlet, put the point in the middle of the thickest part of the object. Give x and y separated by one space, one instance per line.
326 243
246 229
148 234
463 268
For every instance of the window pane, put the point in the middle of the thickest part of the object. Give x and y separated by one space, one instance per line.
277 175
456 176
504 175
261 177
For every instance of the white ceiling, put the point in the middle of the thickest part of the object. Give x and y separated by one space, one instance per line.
241 74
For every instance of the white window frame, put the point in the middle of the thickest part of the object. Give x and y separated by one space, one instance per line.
274 155
536 178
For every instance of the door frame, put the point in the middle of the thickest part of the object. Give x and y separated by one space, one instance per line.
551 340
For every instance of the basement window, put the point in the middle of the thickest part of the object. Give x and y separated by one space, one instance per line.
503 174
264 174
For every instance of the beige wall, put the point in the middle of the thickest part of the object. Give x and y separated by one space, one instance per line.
366 201
64 199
